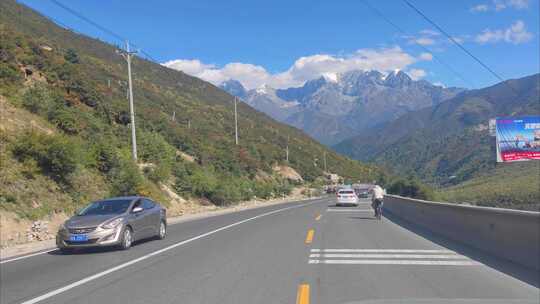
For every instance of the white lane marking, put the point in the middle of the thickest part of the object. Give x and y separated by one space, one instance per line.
396 262
26 256
349 210
124 265
385 250
47 251
390 256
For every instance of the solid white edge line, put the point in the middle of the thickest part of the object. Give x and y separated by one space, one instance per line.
26 256
144 257
7 260
396 262
391 256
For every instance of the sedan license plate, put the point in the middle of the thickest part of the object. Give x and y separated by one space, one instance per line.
79 238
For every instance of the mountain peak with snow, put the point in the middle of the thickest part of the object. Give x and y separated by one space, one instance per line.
336 105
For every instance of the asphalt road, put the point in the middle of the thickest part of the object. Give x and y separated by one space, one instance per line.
302 252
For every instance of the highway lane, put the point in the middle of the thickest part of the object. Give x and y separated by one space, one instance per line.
267 259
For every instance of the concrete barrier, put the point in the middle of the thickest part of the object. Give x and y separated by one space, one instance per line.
510 234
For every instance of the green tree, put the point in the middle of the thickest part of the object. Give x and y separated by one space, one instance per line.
71 56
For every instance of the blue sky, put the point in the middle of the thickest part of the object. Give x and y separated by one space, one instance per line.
284 43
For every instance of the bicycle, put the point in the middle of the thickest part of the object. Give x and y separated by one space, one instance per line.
378 211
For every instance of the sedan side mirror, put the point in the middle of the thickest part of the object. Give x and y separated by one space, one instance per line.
137 210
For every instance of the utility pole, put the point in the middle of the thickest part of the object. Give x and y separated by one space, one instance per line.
325 162
287 149
127 54
173 115
235 122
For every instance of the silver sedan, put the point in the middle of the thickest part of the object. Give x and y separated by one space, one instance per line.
115 221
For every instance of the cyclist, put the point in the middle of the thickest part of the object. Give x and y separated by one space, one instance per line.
377 200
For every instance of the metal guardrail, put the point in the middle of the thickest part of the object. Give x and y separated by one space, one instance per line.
510 234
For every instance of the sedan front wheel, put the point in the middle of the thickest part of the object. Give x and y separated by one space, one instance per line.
162 230
127 239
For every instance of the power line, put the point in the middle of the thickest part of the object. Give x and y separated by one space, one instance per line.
112 33
100 27
79 15
402 31
453 40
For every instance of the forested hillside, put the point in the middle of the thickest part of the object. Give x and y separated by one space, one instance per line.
66 137
450 143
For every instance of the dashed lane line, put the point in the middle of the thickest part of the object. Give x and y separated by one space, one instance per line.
309 236
98 275
302 295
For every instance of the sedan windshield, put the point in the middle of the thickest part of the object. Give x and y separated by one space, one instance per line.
105 207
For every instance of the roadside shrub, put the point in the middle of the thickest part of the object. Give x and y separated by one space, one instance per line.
155 149
9 73
38 99
411 188
57 156
71 56
125 178
159 173
203 183
106 155
65 119
182 172
225 193
263 190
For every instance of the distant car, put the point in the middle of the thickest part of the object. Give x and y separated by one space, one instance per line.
115 221
363 194
346 197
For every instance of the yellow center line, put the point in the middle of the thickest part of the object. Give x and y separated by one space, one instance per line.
318 217
302 297
309 237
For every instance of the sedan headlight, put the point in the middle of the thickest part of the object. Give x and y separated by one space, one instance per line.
112 224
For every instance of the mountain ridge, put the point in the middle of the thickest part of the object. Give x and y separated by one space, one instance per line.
451 138
77 84
347 104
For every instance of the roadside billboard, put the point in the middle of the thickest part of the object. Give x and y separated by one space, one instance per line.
518 138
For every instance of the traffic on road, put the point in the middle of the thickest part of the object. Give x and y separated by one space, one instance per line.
302 252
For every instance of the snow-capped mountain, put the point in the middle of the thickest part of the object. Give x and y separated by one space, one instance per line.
338 106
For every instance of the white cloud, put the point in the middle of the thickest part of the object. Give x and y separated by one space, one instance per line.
518 4
416 73
458 39
423 41
426 56
189 66
429 32
303 69
517 33
432 38
480 8
499 5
